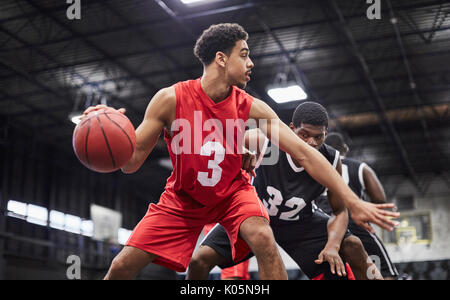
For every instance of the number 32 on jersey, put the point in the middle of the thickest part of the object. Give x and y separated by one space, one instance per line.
276 199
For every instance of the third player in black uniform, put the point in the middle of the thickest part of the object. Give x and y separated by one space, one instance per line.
313 239
361 178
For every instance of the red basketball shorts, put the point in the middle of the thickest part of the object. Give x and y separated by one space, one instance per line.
170 229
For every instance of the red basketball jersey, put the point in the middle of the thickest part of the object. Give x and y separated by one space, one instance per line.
206 144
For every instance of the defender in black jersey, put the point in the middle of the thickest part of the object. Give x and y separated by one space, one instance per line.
313 239
361 179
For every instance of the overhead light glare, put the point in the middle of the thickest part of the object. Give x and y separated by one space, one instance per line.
192 1
287 94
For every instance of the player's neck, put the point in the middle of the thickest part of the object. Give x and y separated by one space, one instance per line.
214 85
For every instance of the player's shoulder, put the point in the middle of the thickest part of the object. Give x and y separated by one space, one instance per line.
190 83
168 92
328 151
162 105
165 96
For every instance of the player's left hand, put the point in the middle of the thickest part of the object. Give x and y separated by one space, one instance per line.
331 255
249 162
363 212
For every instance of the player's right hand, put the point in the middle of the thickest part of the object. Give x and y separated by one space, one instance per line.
363 212
98 107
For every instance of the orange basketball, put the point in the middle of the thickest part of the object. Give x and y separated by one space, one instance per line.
104 140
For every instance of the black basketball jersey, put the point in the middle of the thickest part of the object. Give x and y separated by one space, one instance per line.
287 190
352 173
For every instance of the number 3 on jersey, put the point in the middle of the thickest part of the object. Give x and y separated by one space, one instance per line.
219 156
276 199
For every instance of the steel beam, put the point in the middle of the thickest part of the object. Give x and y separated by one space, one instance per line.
149 41
300 76
192 67
147 85
259 90
134 26
30 76
344 31
412 82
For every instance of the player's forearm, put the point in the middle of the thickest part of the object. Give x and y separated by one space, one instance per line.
337 226
317 166
376 194
137 159
373 186
133 164
130 167
147 135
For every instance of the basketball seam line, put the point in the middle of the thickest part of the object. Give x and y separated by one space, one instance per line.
126 134
106 140
102 113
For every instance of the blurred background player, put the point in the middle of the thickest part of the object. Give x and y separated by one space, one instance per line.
361 179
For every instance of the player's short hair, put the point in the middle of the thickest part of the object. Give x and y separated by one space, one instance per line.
219 37
336 140
310 113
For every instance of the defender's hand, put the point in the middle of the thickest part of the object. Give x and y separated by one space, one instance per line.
331 255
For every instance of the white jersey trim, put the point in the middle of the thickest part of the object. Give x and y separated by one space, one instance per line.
392 268
360 175
336 158
293 166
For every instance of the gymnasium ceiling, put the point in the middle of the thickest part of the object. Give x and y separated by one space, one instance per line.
385 83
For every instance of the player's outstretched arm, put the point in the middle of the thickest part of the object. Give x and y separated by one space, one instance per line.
159 113
319 168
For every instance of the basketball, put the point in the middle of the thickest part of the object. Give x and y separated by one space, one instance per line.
104 140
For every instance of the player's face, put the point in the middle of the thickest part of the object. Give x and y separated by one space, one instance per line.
313 135
239 65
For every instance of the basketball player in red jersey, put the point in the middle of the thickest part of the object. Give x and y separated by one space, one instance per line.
207 184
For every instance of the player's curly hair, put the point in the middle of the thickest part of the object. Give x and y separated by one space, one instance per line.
310 113
219 37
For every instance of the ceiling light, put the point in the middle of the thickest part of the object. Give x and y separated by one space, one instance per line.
191 1
287 93
196 2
